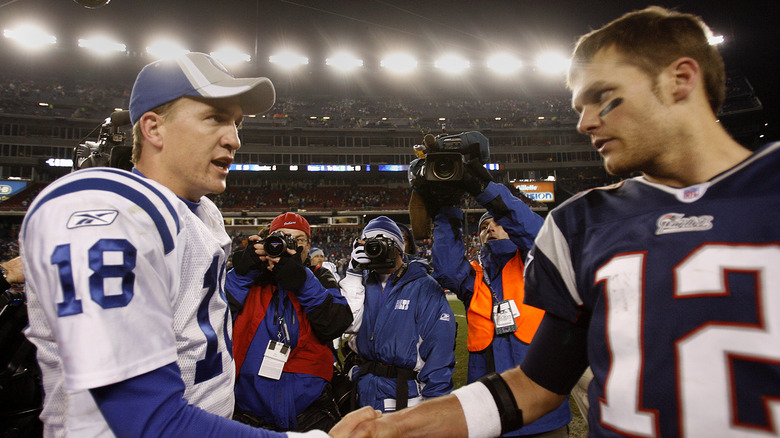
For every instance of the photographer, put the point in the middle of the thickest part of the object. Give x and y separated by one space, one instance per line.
286 318
500 326
405 327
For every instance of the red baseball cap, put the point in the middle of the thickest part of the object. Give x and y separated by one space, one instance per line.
291 220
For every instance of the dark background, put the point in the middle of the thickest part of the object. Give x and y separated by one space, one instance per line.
371 29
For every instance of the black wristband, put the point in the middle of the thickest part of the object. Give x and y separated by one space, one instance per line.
511 416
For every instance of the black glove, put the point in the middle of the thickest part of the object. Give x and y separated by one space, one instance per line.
436 195
290 272
244 260
476 178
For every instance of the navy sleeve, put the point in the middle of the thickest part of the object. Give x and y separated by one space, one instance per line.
558 355
153 405
326 308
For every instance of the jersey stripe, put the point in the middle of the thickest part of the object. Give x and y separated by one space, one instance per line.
142 180
121 189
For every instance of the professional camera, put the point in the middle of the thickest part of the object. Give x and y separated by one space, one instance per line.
381 250
109 150
444 158
277 242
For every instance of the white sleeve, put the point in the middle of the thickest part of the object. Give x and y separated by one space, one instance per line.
99 253
354 291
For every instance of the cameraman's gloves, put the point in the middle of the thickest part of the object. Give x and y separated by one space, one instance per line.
290 272
476 177
246 259
359 257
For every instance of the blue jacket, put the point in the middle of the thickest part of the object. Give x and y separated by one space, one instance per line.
408 325
453 271
326 315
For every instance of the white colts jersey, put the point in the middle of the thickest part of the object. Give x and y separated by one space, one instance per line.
123 278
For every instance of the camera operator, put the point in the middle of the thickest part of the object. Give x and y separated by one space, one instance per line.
405 327
287 316
500 326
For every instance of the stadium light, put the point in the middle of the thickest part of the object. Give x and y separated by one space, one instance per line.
399 63
344 62
714 40
101 45
30 37
230 56
166 49
504 64
452 64
552 63
288 59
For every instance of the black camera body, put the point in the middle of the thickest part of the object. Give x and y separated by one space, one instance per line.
445 156
277 242
110 149
382 252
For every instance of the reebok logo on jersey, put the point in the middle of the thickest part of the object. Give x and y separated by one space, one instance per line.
444 317
678 223
91 218
402 305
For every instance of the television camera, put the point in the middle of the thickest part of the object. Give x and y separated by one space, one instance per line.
443 158
110 149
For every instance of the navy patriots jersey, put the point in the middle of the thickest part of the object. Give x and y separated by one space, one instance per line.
682 290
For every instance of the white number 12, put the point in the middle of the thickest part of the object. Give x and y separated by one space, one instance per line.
706 392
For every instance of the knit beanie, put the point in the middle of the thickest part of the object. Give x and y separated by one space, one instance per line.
385 226
484 217
315 252
291 220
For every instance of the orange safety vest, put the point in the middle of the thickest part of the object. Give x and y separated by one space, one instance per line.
481 328
309 355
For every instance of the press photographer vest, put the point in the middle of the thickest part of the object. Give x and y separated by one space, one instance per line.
309 356
479 314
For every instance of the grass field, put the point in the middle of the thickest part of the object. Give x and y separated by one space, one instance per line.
577 428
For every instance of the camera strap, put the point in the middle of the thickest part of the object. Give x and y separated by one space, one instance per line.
277 352
400 273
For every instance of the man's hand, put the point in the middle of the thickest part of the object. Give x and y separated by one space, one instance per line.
289 270
476 177
14 271
347 425
358 259
248 258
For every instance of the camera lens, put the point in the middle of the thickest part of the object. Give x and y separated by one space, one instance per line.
374 248
274 246
444 169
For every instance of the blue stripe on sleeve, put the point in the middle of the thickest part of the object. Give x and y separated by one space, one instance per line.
123 190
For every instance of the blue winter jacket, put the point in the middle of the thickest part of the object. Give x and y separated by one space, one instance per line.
453 271
280 401
410 325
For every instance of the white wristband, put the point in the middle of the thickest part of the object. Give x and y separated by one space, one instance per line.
310 434
480 410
